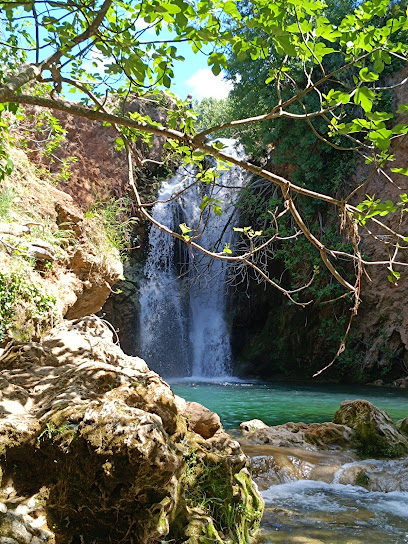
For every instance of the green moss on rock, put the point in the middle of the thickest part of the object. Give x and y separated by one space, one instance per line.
376 435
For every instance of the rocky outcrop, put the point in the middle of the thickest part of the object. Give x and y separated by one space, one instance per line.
311 436
49 243
402 425
199 418
357 425
376 435
94 449
98 170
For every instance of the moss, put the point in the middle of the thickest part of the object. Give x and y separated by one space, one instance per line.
370 444
226 497
362 479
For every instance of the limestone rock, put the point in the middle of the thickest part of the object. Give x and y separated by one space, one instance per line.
14 229
377 383
252 426
96 277
402 383
100 444
199 418
376 433
311 436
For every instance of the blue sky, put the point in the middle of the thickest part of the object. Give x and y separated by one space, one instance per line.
193 75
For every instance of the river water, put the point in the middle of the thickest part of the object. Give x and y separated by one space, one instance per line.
279 403
306 510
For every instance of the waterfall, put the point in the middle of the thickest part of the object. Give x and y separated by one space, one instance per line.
183 326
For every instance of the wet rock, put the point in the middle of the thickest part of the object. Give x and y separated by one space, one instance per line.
402 383
377 383
101 442
376 435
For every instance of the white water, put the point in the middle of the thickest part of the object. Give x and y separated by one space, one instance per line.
183 325
317 512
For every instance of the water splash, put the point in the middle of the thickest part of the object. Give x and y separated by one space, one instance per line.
184 331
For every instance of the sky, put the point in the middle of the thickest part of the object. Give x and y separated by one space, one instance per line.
194 76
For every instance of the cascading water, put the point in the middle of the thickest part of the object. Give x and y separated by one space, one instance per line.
183 325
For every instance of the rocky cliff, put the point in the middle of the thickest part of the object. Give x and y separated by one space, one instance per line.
54 261
94 447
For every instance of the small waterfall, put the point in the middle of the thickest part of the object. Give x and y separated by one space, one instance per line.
183 328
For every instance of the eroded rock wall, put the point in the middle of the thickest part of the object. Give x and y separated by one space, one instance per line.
94 448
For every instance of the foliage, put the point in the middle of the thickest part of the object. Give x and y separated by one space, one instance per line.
208 489
113 226
7 196
296 63
22 301
212 111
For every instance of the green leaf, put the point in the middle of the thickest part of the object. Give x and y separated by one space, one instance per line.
364 96
184 228
403 108
365 75
403 171
227 250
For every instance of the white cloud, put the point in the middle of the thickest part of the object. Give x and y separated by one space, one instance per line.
100 61
204 84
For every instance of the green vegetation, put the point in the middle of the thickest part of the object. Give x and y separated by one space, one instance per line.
308 98
208 490
35 249
25 310
114 225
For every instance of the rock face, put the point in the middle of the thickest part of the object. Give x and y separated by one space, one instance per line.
94 449
375 433
72 262
99 171
357 425
402 425
310 436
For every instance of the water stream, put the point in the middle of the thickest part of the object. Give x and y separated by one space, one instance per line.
184 333
183 326
308 495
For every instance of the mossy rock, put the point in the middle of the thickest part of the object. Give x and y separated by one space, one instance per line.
376 435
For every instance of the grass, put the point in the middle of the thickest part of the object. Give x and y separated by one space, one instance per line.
114 226
7 196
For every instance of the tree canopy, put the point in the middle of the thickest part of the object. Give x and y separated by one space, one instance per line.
306 61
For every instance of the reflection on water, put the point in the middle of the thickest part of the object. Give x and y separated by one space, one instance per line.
307 512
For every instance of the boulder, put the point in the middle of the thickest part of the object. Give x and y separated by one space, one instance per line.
251 426
94 448
376 435
311 436
377 383
199 418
